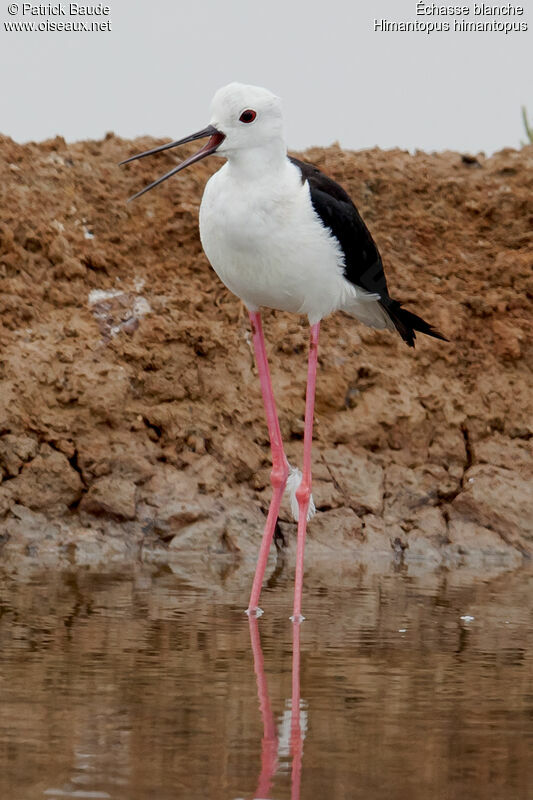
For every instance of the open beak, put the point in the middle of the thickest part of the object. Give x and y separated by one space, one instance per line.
215 139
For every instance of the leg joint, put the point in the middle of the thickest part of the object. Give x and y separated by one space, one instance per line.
303 493
279 475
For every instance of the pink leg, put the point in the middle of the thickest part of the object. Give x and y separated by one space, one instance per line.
296 730
280 466
303 493
269 743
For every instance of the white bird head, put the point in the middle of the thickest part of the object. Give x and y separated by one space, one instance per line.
243 119
248 116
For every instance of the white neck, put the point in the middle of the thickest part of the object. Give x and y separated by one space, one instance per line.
251 163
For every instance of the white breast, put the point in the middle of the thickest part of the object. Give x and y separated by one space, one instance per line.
268 246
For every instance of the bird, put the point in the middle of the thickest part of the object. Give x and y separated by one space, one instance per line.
281 234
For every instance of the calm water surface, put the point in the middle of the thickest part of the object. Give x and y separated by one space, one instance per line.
141 686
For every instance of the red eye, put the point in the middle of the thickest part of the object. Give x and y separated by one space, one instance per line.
248 116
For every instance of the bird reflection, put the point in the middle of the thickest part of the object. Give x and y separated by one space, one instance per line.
270 740
297 742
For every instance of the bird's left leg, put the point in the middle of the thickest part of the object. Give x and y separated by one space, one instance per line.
280 465
303 493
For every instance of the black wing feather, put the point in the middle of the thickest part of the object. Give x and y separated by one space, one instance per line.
362 262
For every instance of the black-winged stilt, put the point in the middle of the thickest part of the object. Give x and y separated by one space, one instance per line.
281 234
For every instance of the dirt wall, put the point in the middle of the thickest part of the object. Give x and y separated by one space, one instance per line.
131 421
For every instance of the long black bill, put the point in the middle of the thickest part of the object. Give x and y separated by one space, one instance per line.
215 139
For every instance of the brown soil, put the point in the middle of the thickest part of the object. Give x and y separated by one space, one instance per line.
132 425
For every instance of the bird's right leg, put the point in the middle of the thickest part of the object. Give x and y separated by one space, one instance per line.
280 465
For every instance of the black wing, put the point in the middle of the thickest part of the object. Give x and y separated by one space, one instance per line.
362 261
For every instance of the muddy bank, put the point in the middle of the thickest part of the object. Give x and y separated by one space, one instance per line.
131 422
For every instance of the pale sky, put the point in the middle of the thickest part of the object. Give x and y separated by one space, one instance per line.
157 68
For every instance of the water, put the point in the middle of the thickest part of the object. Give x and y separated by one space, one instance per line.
141 686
